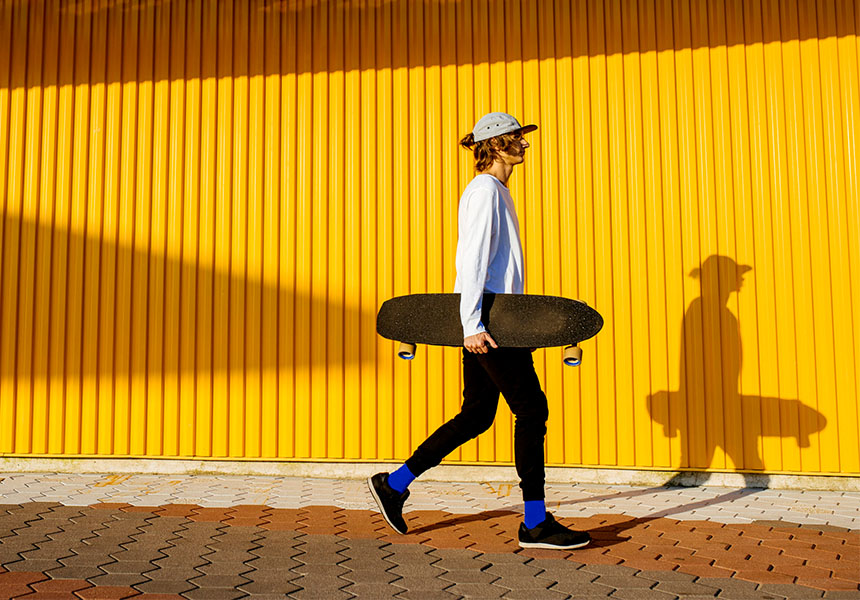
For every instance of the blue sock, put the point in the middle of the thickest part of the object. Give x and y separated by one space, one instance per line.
535 513
401 478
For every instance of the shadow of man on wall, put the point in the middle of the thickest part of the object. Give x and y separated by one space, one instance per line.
708 411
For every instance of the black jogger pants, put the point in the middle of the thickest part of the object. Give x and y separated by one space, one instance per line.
509 371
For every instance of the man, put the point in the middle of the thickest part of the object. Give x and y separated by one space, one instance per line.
489 259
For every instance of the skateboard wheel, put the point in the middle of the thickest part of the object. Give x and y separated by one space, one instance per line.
573 356
406 351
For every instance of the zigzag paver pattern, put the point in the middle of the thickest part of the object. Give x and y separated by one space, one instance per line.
97 537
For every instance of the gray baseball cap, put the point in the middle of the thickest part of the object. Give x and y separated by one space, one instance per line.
498 123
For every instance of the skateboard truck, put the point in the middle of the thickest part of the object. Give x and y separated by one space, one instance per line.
573 356
406 351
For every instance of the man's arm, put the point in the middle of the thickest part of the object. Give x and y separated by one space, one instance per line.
477 344
476 234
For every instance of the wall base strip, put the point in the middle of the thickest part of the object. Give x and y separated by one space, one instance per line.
445 472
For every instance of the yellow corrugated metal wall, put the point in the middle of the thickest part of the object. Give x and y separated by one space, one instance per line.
204 203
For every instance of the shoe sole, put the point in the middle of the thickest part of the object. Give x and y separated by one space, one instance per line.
546 546
381 508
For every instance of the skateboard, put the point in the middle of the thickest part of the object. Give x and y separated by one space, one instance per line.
514 321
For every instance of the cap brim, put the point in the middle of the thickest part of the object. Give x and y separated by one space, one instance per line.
527 129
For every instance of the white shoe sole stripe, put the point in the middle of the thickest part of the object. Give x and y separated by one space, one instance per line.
546 546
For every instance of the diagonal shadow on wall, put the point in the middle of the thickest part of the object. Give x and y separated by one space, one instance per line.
76 305
156 40
708 411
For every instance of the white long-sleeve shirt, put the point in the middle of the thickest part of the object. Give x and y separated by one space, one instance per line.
489 252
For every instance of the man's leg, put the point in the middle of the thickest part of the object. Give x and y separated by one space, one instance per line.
512 371
480 400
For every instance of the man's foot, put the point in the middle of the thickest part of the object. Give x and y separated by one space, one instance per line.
389 500
552 535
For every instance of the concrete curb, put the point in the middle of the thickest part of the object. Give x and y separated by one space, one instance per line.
463 473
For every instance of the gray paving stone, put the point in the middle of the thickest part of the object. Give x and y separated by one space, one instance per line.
666 576
227 556
366 562
427 584
275 551
420 594
319 558
468 576
218 581
416 570
791 590
612 570
641 594
584 590
408 549
214 594
753 595
224 568
373 590
269 587
136 556
319 581
118 579
498 558
164 586
369 576
535 594
843 594
321 541
149 547
624 582
107 537
96 559
411 557
50 553
172 574
195 537
55 570
23 541
466 562
727 585
513 570
282 575
685 588
315 569
454 553
574 577
362 547
8 556
320 594
264 564
189 560
127 566
476 590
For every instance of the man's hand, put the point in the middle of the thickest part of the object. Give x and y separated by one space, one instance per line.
476 344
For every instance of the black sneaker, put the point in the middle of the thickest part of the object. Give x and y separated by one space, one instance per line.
389 500
552 535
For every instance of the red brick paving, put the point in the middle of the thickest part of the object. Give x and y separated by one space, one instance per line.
824 560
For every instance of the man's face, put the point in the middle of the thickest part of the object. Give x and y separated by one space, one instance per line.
515 153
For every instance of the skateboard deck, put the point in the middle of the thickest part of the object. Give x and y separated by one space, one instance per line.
513 320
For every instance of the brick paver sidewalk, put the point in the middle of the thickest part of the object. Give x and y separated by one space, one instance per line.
145 536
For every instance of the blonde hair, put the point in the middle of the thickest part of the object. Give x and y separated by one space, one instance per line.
487 151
